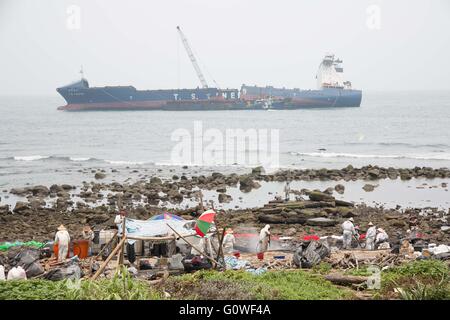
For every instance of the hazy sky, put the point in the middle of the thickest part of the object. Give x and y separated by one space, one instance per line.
261 42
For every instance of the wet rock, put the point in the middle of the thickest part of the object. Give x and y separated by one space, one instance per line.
175 177
321 222
339 188
246 184
328 191
155 180
99 175
224 198
20 206
368 187
320 196
258 171
20 191
373 174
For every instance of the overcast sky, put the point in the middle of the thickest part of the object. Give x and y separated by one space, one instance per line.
405 45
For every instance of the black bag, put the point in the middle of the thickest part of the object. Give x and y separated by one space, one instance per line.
131 253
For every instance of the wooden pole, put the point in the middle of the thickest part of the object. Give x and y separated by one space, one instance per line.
220 253
105 263
201 202
209 258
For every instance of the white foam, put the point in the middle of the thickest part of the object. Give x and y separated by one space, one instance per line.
427 156
124 163
79 159
30 158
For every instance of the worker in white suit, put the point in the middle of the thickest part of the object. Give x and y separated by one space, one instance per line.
347 234
370 236
228 241
62 239
264 239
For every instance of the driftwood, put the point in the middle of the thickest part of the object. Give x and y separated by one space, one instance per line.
345 280
105 263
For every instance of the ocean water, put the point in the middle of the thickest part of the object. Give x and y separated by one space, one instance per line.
40 145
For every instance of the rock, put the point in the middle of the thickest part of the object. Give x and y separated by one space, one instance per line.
258 171
342 203
321 222
373 174
19 191
4 209
224 198
54 188
246 184
345 212
369 187
155 180
99 175
445 229
339 188
320 196
175 177
290 232
20 206
329 191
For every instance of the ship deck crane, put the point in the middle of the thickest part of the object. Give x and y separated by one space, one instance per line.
192 58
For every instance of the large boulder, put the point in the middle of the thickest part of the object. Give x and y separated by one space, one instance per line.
320 196
21 206
224 198
99 175
321 222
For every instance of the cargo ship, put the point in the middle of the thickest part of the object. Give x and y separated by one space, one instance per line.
81 97
332 91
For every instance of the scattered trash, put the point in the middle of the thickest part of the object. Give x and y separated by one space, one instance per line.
235 264
314 252
2 273
7 245
17 273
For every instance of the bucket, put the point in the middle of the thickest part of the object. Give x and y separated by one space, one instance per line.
55 251
260 255
81 248
237 254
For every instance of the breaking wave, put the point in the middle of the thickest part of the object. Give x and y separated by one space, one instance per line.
30 158
428 156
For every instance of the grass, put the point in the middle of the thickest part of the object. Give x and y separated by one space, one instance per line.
120 287
285 285
417 280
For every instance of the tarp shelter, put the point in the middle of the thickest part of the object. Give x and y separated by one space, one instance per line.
167 216
154 228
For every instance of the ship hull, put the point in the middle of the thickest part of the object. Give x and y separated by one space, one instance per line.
285 99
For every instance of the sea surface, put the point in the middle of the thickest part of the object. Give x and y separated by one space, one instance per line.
40 145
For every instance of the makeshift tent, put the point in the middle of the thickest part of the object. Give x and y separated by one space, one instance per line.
167 216
153 228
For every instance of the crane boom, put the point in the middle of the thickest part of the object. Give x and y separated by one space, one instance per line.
192 58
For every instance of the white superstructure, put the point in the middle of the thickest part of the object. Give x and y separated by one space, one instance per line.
331 74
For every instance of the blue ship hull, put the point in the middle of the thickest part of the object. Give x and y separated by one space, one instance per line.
299 99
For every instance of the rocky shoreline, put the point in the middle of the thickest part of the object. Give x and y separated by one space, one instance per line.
41 208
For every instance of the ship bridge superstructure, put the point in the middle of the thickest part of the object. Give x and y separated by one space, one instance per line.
331 74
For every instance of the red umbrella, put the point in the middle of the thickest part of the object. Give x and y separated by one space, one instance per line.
204 222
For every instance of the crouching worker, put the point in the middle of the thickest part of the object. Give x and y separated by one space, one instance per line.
347 234
62 239
370 236
264 239
382 239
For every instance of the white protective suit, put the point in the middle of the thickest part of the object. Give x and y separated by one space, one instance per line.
62 238
381 237
370 238
348 232
204 245
264 239
228 243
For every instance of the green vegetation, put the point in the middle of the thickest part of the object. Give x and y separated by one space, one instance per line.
418 280
290 285
120 287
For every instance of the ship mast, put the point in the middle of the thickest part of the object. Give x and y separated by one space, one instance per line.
192 58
